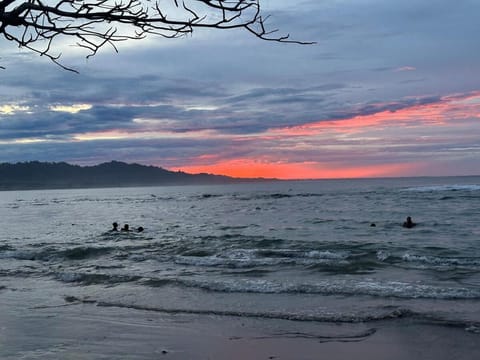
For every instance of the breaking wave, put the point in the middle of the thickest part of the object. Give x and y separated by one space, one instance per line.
391 289
386 313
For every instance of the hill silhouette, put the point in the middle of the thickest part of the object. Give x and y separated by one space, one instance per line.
46 175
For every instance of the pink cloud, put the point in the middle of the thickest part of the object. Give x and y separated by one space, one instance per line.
448 109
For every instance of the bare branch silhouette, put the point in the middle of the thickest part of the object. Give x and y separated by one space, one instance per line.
41 25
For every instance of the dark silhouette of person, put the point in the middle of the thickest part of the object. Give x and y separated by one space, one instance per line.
126 228
115 226
409 223
373 225
140 229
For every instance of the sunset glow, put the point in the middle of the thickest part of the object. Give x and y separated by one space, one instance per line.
246 168
348 131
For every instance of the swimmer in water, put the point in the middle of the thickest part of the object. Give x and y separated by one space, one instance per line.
126 228
115 226
409 223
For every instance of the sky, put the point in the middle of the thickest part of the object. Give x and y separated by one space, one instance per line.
390 88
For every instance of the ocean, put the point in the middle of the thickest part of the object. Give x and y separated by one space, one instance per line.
292 255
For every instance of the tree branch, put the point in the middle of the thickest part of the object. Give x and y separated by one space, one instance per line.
37 25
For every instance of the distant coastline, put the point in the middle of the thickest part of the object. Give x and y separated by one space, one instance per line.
36 175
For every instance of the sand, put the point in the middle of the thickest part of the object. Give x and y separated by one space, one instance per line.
70 330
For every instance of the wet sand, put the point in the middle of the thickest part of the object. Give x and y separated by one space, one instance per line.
63 329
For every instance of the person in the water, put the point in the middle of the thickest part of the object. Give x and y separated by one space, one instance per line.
140 229
409 223
115 226
126 228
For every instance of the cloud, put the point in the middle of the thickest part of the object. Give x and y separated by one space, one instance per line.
72 109
405 68
11 109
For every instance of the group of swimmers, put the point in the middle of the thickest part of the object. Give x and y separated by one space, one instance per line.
407 224
125 227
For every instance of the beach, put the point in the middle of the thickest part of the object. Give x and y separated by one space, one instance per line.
59 328
289 270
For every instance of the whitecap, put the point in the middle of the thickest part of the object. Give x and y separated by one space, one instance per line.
454 187
382 255
326 255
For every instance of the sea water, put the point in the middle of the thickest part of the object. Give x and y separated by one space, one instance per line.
304 251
